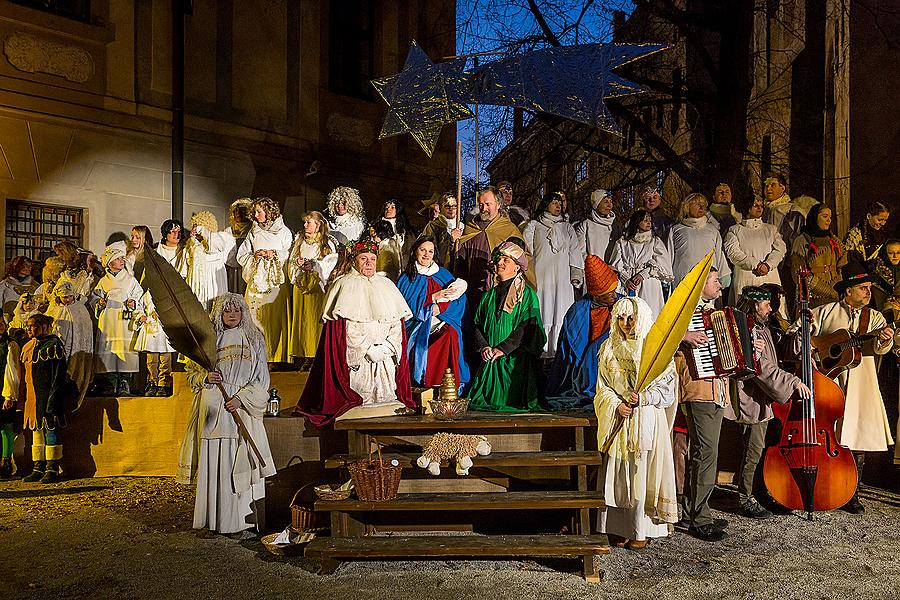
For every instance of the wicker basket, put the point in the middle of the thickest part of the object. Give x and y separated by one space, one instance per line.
292 549
375 481
329 492
304 518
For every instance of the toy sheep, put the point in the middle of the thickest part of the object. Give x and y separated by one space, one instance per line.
452 446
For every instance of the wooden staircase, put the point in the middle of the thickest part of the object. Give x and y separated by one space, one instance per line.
355 524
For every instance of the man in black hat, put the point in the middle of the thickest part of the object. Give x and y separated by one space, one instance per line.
865 426
750 405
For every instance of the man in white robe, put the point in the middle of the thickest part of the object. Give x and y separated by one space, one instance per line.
864 426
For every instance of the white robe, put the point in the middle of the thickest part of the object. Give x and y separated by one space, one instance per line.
638 474
72 324
864 425
322 267
115 334
11 288
557 257
690 241
348 227
265 277
748 244
206 272
229 478
175 256
595 235
150 335
651 260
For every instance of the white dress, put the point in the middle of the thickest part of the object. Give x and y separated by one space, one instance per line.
206 272
175 256
230 481
647 256
150 335
116 334
748 244
557 260
268 291
690 241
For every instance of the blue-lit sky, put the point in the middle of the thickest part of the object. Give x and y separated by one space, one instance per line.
509 26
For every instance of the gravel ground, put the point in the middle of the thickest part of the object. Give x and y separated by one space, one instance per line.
131 538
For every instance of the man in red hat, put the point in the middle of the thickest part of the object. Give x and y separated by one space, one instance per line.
864 427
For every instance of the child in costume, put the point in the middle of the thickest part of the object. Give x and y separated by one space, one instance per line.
46 397
115 299
10 366
72 324
153 340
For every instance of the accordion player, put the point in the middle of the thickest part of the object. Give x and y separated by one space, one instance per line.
729 351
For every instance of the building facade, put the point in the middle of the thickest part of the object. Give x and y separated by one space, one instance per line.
278 103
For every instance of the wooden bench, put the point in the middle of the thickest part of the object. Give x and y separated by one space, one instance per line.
352 520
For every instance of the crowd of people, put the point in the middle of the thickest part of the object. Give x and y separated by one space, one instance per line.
527 311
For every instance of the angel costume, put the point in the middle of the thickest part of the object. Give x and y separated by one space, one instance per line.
361 368
152 339
558 260
72 324
268 295
348 227
309 292
644 254
746 245
116 334
638 474
230 481
206 256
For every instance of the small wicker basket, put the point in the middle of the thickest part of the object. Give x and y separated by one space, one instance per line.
304 518
375 481
292 549
329 492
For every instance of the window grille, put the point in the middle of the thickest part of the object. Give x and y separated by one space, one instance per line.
33 229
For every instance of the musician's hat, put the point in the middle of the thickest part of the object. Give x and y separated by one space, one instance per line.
853 273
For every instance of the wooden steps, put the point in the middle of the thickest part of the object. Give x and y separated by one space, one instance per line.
548 500
471 421
555 458
457 545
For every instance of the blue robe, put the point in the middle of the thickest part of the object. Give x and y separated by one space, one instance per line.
418 327
572 381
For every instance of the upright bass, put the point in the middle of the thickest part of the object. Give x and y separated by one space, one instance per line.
808 470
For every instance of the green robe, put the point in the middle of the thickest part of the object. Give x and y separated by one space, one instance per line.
509 383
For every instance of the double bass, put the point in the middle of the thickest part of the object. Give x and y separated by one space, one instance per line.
807 469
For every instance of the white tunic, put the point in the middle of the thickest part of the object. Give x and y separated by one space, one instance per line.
206 272
175 256
264 276
690 241
647 256
748 244
116 335
865 424
347 226
229 478
595 234
556 252
150 335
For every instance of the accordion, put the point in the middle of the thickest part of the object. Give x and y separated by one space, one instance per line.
729 351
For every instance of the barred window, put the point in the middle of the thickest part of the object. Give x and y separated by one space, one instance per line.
71 9
581 171
33 229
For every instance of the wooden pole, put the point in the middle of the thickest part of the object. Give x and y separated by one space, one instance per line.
459 178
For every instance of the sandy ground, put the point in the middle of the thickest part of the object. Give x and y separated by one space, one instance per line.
131 538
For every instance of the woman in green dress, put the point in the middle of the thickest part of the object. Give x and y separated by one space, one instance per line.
510 338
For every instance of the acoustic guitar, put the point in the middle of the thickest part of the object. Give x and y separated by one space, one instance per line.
842 350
